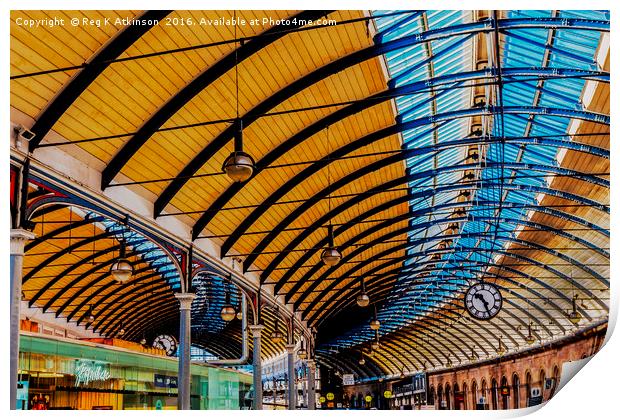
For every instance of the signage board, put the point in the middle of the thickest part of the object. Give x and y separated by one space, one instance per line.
419 383
368 398
330 396
387 393
165 381
504 391
87 371
348 379
322 399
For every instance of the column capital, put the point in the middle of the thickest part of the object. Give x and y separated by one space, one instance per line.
19 237
311 363
290 348
256 330
185 299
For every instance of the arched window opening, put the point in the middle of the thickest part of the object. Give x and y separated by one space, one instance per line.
516 387
494 404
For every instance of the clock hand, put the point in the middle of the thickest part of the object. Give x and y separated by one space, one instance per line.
484 301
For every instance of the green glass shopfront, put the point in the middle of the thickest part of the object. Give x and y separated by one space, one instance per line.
68 374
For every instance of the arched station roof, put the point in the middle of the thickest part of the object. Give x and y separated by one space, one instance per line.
443 147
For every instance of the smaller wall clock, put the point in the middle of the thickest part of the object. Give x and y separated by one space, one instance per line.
167 343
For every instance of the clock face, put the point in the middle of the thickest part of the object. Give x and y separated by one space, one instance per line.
166 342
483 301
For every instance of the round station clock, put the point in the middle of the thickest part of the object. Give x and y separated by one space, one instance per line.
167 343
483 300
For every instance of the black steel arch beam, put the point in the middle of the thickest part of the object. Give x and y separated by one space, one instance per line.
66 272
511 255
352 109
128 317
64 251
115 306
405 245
138 321
124 39
347 359
111 287
408 348
359 106
49 235
340 229
313 168
197 85
390 278
328 362
478 325
396 201
350 60
398 232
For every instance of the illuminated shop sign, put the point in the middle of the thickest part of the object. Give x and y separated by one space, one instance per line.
88 371
164 381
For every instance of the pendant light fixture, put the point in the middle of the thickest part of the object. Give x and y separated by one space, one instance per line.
362 299
239 166
331 256
375 324
276 335
91 316
501 349
121 269
362 361
121 332
228 313
474 355
574 315
530 339
449 363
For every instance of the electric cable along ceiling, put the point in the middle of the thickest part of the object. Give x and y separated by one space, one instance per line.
441 148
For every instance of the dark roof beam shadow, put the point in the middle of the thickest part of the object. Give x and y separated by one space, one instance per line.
401 231
87 273
389 278
139 323
67 272
511 255
197 85
126 318
338 65
111 50
331 362
423 240
154 286
312 169
62 252
422 194
340 229
53 233
112 287
392 279
111 308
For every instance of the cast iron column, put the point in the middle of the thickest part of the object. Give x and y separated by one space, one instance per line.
292 390
185 342
19 237
311 384
257 370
